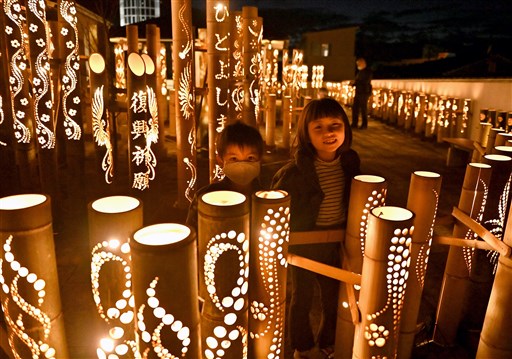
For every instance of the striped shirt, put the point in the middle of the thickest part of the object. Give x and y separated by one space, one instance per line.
332 183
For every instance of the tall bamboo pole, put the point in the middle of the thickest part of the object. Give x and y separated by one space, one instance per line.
366 193
218 44
236 68
270 217
223 234
423 200
44 115
383 282
164 258
252 35
475 189
112 220
30 297
183 57
19 73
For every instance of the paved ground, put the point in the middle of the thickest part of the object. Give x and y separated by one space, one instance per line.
384 150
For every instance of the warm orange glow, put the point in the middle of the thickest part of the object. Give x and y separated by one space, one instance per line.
161 234
21 201
115 204
223 198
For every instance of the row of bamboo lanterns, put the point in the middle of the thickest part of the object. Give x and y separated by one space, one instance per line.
388 245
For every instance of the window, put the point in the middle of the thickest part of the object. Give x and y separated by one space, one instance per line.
324 50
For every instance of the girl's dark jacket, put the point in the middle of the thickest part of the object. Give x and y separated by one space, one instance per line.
300 180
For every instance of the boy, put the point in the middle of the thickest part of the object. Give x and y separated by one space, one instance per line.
239 152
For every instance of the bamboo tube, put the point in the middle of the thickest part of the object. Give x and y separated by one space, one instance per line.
270 121
132 39
491 139
493 219
164 265
421 104
495 336
112 220
287 114
485 130
236 67
461 242
100 120
270 217
43 114
30 297
217 27
502 138
366 192
383 283
423 200
252 35
21 107
223 227
183 69
459 263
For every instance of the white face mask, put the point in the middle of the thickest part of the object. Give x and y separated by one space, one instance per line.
242 172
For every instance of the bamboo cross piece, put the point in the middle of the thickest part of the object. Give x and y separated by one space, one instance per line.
483 233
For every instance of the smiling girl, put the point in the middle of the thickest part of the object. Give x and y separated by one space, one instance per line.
318 181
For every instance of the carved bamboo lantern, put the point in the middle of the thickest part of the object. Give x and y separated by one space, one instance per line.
491 140
164 265
475 189
183 58
28 274
420 115
218 26
21 107
383 283
270 121
236 67
100 119
223 228
252 27
423 200
495 336
112 220
270 217
287 115
502 138
366 193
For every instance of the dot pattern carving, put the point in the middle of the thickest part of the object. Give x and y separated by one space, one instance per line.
424 251
26 312
375 199
272 241
119 313
231 305
398 264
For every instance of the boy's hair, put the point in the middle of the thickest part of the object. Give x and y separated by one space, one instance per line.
239 134
317 109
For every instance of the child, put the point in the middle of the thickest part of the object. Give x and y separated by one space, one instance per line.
239 151
318 181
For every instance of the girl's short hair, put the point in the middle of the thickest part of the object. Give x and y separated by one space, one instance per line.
317 109
239 134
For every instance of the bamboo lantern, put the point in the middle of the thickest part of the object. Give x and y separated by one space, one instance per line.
400 109
495 336
120 81
132 38
236 68
252 28
270 121
408 110
20 97
423 200
153 48
491 140
503 150
137 98
431 125
28 274
218 27
100 121
183 57
366 193
287 114
112 220
270 217
383 282
421 112
164 266
493 219
223 228
485 129
475 189
70 91
463 120
502 138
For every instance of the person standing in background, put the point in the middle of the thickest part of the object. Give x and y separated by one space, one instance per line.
363 85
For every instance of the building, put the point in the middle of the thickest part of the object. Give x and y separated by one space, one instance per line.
133 11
